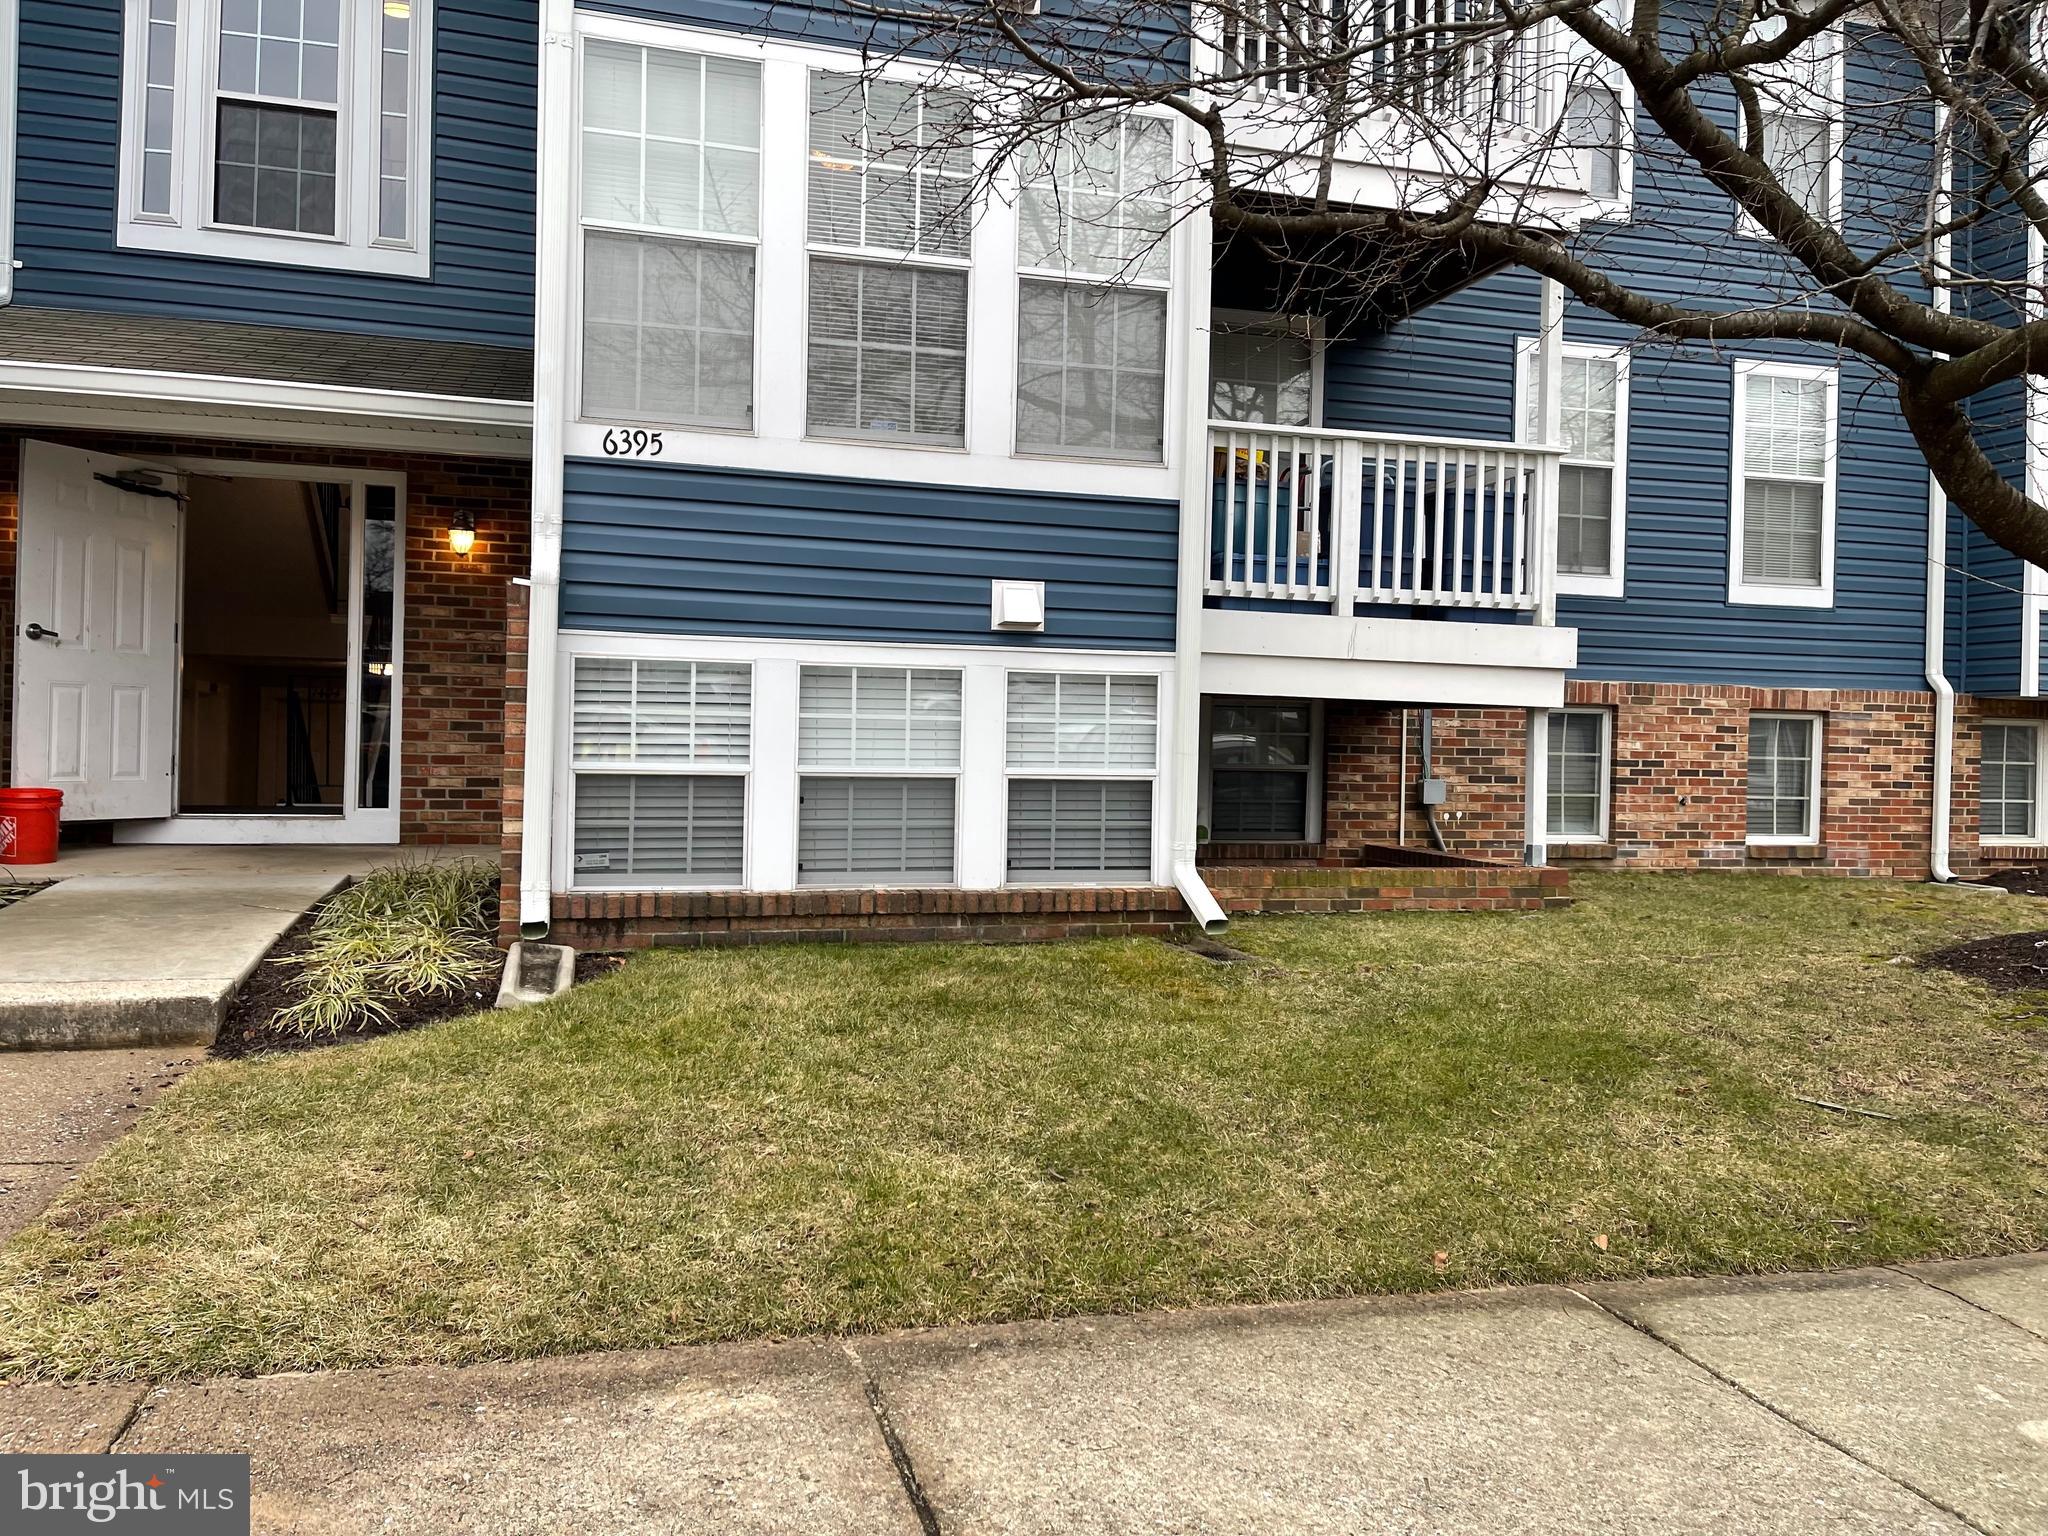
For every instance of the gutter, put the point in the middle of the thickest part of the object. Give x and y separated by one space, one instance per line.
550 391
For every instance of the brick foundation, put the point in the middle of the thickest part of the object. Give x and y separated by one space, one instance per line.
455 669
1680 780
638 920
1446 886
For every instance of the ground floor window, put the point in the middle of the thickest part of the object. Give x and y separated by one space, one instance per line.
875 831
2008 797
1577 756
1784 778
1263 770
1082 749
643 733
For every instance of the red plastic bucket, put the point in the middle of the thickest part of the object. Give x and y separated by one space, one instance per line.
28 825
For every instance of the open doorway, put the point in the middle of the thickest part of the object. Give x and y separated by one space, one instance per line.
263 691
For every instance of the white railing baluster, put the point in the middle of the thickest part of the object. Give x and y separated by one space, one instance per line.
1457 582
1379 492
1500 523
1272 510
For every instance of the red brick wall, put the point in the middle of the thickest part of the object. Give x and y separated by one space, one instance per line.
1680 778
456 610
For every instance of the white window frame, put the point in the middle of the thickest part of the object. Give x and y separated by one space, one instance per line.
1151 775
1819 73
743 771
778 439
1766 595
1309 328
1588 68
1603 831
1527 369
981 856
955 776
1809 835
2040 834
189 228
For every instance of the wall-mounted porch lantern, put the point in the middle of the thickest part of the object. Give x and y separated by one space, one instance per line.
462 533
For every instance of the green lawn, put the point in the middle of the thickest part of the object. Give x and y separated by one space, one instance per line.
776 1141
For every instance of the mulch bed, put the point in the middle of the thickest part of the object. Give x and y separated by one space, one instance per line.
246 1031
2021 882
589 967
11 893
2009 962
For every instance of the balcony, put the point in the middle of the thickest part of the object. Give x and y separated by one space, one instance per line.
1404 93
1370 566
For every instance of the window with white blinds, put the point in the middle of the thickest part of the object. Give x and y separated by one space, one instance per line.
1100 733
671 179
1094 221
1577 772
1082 722
2009 780
1086 829
1785 419
888 813
1784 778
1593 129
1799 149
659 750
890 173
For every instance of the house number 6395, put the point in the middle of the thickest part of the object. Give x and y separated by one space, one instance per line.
632 442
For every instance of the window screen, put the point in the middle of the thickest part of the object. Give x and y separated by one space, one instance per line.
869 831
1781 763
1577 773
2009 777
1091 371
668 330
1080 721
888 353
879 717
1097 829
1784 460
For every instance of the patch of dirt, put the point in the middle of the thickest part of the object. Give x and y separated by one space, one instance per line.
2021 882
13 891
589 967
2010 962
246 1031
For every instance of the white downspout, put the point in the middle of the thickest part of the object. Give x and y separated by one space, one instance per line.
1185 779
1542 554
1938 866
551 284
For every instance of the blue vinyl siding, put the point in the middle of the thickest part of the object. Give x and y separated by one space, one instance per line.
666 550
1449 370
1991 578
481 289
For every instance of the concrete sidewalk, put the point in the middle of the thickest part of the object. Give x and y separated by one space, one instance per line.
61 1109
1875 1401
144 946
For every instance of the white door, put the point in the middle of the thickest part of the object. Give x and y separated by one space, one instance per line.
96 632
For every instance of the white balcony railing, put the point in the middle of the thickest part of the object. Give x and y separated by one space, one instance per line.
1395 56
1344 519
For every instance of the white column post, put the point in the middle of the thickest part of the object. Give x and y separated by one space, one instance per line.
1550 386
551 282
1536 812
772 785
983 810
1347 514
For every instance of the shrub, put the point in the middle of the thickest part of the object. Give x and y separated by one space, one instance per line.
406 933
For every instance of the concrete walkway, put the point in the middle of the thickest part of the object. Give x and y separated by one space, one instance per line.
1877 1401
141 946
60 1109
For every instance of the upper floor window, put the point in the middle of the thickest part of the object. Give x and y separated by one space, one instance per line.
1094 227
1782 523
1593 126
1262 370
888 229
1592 481
291 131
671 222
1800 102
